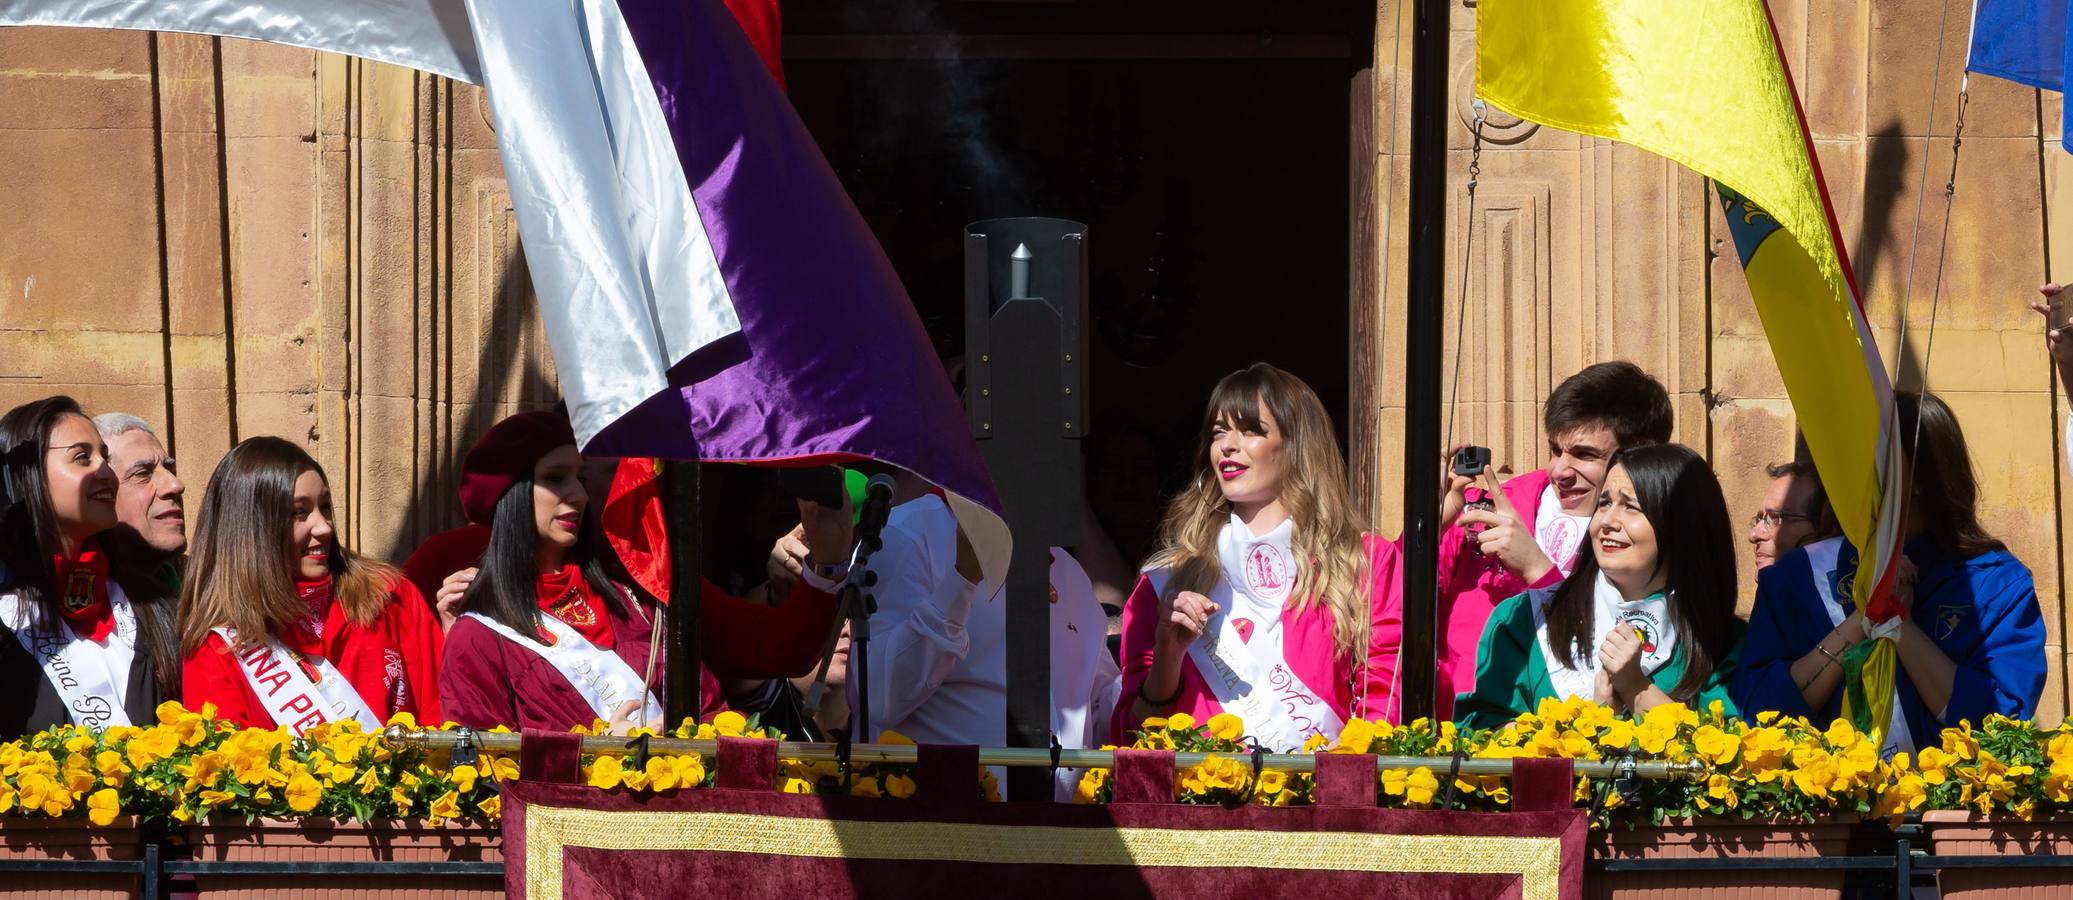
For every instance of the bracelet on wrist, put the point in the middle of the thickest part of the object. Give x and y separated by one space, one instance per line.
1832 658
1156 703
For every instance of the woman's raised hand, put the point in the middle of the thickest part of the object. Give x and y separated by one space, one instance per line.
1619 659
452 599
1187 619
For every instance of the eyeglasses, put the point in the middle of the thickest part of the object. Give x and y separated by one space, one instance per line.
1769 519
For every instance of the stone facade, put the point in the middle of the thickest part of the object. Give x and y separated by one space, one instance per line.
232 239
1582 250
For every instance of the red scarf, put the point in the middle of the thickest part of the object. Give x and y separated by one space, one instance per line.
82 586
567 596
317 596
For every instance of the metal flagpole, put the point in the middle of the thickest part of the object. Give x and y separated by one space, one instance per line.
1424 330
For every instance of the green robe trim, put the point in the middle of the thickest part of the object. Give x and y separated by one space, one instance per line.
1512 676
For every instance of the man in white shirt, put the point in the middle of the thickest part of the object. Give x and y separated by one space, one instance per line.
938 651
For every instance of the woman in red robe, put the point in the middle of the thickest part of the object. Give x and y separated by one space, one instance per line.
548 640
281 624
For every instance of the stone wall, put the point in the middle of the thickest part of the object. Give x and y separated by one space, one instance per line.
1582 250
234 239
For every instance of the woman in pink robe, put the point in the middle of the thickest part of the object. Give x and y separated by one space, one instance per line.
1266 599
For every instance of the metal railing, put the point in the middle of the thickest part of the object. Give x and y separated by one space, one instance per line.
1885 858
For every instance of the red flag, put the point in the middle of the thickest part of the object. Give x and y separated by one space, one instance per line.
634 525
761 22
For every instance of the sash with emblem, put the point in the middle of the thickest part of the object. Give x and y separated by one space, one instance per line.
1241 653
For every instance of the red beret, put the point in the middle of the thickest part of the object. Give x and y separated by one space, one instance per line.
505 454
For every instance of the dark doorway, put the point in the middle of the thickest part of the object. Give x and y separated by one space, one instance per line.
1204 143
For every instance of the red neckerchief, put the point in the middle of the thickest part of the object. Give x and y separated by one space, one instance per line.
567 596
316 595
82 586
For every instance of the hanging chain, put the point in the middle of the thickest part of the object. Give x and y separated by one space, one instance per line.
1468 241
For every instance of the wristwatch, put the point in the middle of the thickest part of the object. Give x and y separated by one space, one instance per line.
829 571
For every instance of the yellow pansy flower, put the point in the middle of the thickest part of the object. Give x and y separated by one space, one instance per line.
492 807
1356 737
448 806
1395 782
899 786
1180 721
1716 746
1272 781
893 738
1420 787
103 807
303 793
604 773
730 723
1227 727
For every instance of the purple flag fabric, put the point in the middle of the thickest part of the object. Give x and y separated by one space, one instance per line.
831 361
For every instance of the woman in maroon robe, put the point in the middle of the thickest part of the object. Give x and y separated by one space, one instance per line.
549 640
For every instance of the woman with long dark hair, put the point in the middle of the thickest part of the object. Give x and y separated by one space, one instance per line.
1266 599
1647 618
283 625
1972 641
549 640
88 627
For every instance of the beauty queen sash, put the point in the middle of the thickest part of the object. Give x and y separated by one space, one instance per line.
1241 655
1650 617
291 697
605 681
90 678
1833 573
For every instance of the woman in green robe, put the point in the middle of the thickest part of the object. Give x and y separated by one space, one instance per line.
1648 617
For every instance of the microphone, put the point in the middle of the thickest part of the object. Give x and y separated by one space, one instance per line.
878 502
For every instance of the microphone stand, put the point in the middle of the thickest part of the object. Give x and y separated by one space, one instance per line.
854 604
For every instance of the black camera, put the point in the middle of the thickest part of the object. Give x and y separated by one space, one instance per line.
1471 461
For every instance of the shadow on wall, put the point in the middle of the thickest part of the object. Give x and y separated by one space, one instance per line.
510 379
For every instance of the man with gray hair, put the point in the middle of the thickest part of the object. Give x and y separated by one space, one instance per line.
149 498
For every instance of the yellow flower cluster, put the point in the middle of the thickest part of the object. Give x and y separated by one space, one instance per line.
1775 767
189 764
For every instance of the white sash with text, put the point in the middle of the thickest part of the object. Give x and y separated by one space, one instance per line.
605 681
90 678
1241 655
290 697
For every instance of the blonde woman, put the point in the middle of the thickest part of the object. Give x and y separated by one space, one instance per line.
1266 598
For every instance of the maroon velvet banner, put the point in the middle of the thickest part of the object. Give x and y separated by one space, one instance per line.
748 841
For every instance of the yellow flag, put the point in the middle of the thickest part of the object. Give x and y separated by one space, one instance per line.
1703 83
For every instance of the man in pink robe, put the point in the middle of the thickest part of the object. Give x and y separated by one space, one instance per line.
1531 535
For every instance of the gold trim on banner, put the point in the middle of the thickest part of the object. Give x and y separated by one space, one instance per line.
549 830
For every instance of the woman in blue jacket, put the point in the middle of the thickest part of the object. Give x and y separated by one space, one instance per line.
1972 642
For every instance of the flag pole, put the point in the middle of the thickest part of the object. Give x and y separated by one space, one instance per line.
680 693
1423 335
